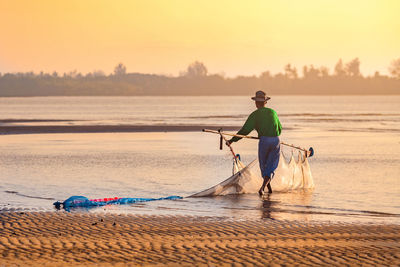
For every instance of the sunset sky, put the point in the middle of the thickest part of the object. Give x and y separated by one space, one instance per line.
234 37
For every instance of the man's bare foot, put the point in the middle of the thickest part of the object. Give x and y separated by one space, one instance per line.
261 192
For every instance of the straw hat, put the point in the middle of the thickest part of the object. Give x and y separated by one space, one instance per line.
260 96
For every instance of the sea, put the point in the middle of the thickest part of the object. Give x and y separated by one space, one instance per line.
356 166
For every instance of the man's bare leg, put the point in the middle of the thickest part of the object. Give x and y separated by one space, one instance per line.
269 187
267 181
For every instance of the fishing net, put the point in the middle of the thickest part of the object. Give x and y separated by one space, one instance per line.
247 179
84 202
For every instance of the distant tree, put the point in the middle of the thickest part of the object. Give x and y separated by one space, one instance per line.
29 74
42 75
339 69
120 70
89 75
98 73
394 68
353 67
305 71
377 74
324 71
310 72
290 72
72 74
196 69
55 74
265 75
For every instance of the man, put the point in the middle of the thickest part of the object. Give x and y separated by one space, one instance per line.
268 126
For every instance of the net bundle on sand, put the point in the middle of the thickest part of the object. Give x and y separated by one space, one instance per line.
247 179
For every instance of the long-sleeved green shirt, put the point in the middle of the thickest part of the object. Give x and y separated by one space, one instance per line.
264 120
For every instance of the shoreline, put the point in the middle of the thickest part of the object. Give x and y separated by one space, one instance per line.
43 129
61 238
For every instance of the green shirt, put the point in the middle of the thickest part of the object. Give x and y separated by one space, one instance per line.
264 120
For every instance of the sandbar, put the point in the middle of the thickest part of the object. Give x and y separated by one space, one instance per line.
43 129
103 239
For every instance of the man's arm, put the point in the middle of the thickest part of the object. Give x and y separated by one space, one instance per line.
246 129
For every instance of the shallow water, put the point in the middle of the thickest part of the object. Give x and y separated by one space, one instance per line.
356 167
333 113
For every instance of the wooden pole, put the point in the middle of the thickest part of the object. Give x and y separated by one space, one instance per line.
309 152
223 137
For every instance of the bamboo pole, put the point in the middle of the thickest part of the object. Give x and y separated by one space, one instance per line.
309 152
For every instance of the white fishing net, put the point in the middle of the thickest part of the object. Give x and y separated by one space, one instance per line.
247 179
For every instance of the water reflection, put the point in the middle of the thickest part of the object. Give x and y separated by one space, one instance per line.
267 207
294 205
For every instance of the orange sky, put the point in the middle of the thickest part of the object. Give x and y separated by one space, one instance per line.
235 37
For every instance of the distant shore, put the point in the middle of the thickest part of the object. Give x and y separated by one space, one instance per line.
61 238
40 129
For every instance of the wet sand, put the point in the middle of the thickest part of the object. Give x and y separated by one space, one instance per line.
60 238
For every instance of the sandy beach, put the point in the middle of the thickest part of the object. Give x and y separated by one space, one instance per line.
61 238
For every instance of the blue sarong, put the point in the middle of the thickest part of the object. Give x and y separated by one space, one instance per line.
269 149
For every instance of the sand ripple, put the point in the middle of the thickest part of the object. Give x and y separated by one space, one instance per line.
60 238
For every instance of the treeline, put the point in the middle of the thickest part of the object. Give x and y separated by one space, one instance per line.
195 80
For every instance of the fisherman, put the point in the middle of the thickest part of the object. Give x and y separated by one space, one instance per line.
267 124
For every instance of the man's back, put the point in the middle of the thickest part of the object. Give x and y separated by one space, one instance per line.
264 120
